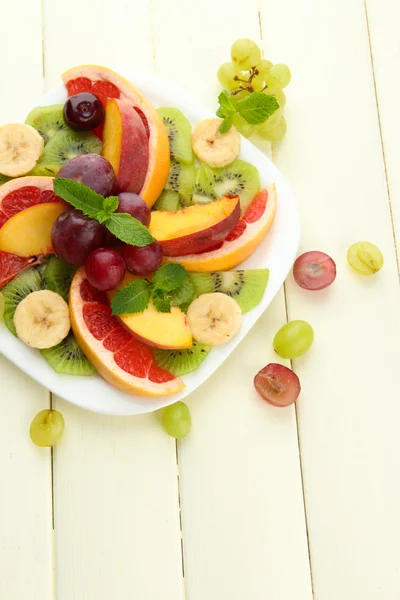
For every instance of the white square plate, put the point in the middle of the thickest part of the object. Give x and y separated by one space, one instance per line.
277 252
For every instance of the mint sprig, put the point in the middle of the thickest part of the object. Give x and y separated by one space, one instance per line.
255 109
125 227
169 285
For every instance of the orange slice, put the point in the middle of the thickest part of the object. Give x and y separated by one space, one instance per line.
122 360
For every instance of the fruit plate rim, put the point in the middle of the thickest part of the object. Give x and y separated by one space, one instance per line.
277 252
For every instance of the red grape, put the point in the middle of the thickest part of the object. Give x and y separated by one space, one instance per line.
142 261
134 205
92 170
277 384
314 270
83 111
105 269
75 236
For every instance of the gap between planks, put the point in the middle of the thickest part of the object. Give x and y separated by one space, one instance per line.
381 138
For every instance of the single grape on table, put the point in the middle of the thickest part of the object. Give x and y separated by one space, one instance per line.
314 270
365 258
176 420
293 339
277 385
142 261
47 428
105 269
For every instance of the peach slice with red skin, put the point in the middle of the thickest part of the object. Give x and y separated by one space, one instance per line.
125 145
161 330
28 233
196 228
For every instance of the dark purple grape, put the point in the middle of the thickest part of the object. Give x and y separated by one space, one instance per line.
83 112
92 170
105 269
142 261
134 205
75 236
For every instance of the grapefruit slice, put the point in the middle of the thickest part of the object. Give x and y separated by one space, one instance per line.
240 242
121 359
16 195
106 84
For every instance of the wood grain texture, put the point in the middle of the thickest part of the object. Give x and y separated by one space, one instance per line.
348 411
117 531
243 521
25 497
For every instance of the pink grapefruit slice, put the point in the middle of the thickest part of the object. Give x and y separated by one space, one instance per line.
240 242
122 360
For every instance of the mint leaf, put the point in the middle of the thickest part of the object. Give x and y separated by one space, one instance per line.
161 301
133 298
183 294
169 277
227 105
79 196
257 107
225 125
102 216
129 230
110 204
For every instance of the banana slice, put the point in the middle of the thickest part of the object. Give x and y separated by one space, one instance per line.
215 148
20 149
42 319
214 319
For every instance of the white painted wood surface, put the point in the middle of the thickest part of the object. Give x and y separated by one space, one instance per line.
244 529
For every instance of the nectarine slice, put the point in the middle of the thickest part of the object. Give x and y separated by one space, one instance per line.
28 233
196 228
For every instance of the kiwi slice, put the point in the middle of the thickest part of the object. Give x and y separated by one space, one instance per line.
65 145
3 179
58 276
168 201
45 170
181 362
246 287
239 178
179 134
203 188
15 291
181 179
47 120
67 358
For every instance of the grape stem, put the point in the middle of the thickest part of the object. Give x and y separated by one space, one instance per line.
248 87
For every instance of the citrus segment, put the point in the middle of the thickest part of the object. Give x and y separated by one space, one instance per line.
106 82
122 360
241 241
11 265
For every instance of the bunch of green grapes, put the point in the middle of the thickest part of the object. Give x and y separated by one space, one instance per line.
248 72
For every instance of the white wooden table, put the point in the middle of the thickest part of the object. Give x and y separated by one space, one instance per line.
258 503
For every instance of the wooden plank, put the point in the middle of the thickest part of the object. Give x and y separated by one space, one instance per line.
117 531
349 410
383 18
25 498
242 509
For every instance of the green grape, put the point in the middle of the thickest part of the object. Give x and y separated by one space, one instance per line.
278 93
258 83
226 76
239 96
365 258
246 54
263 68
176 420
278 75
47 428
293 339
242 125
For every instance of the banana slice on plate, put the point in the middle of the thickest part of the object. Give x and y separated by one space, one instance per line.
213 147
20 149
42 319
214 319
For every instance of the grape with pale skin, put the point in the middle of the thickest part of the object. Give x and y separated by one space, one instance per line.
365 258
293 339
242 125
278 93
226 76
314 270
245 54
47 428
263 68
176 420
278 75
273 131
277 385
